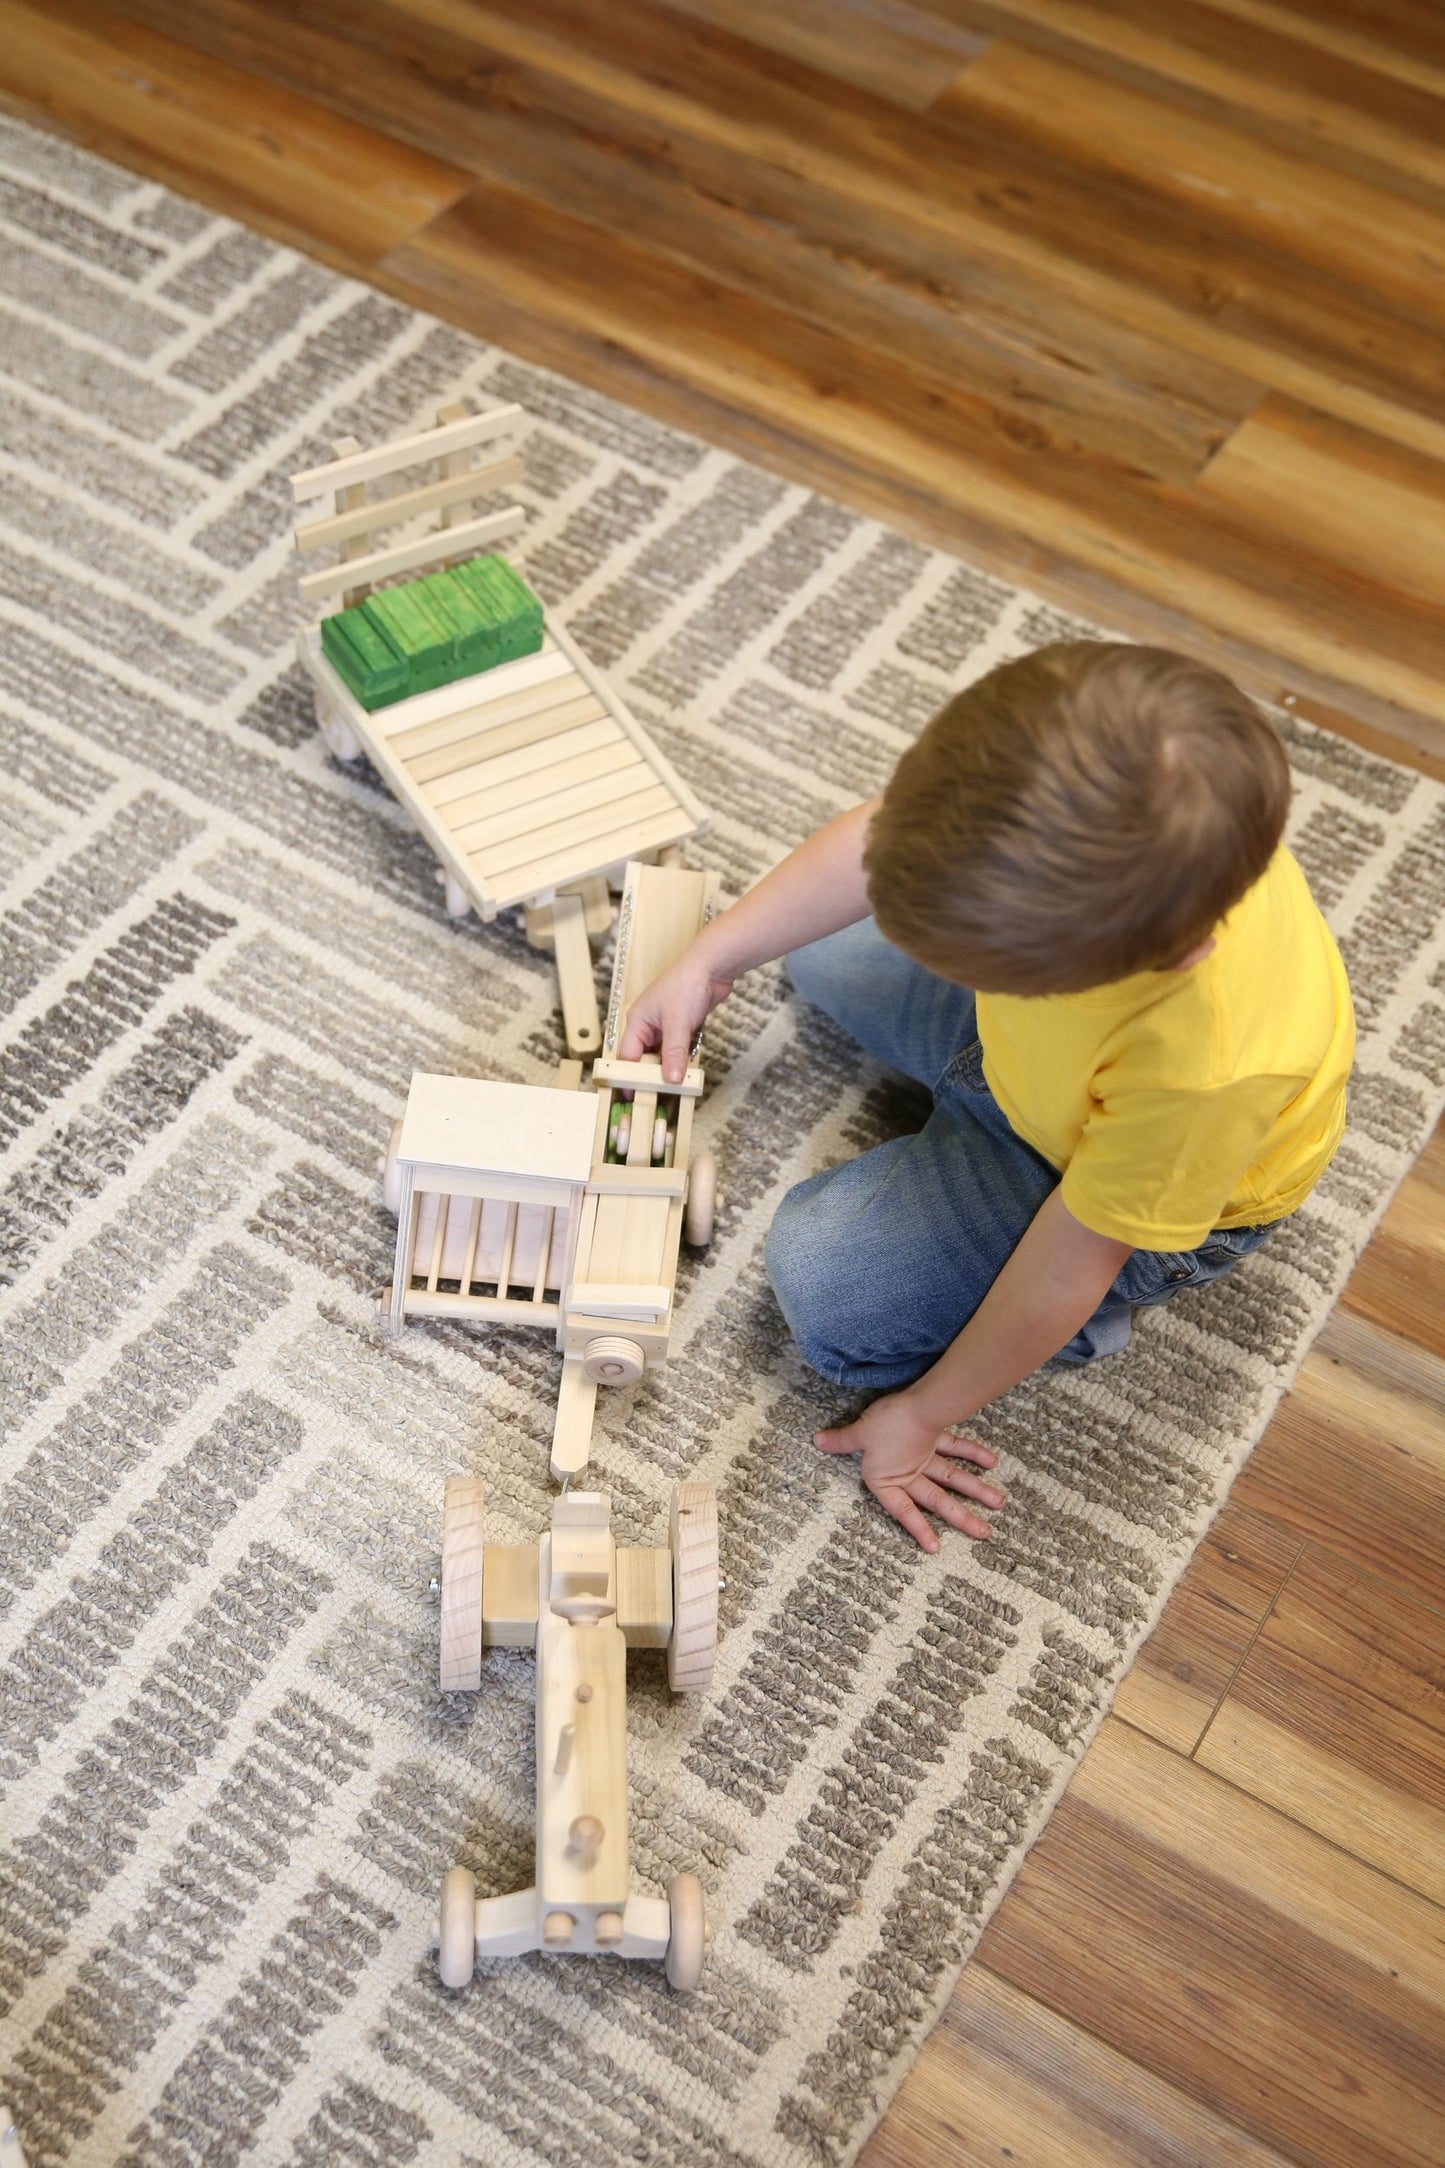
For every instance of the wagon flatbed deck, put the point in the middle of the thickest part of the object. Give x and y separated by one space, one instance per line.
526 778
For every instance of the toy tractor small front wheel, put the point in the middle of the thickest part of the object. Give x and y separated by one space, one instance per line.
692 1539
461 1634
701 1200
457 1928
687 1933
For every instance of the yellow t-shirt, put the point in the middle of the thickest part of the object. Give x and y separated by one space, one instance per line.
1174 1102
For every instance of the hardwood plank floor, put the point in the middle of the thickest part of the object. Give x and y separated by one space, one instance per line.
205 127
1337 1717
947 410
1275 1978
1145 307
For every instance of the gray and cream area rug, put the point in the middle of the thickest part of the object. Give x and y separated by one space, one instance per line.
228 1784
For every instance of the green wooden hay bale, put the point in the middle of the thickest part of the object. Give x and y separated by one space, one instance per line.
432 631
507 610
423 633
360 652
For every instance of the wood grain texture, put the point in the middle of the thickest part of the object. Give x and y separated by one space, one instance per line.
1338 491
1003 2079
1186 1666
240 142
1337 1717
1403 38
1355 1458
1307 96
1400 1280
1141 307
1378 239
1286 1985
900 52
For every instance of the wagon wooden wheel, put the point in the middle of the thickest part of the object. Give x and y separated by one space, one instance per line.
692 1539
461 1634
701 1200
687 1941
457 1927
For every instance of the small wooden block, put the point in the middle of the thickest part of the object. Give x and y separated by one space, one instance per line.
637 1182
618 1299
509 1595
644 1597
645 1075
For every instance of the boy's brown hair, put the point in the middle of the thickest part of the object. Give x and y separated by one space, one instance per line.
1090 811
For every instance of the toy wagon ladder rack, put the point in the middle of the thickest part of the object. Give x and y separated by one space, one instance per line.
357 519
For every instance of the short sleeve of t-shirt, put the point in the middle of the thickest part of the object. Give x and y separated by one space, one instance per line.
1174 1102
1156 1168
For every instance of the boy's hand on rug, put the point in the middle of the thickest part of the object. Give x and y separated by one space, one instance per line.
911 1467
670 1012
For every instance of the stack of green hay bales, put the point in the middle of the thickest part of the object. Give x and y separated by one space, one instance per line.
409 639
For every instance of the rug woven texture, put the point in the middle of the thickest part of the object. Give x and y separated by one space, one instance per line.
230 1785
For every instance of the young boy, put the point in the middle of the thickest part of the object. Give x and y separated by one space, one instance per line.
1088 940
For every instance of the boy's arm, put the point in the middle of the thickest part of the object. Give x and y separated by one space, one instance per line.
817 889
1052 1284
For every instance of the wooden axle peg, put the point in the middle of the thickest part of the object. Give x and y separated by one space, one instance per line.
584 1839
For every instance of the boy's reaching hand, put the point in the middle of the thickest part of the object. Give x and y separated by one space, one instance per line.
669 1013
911 1467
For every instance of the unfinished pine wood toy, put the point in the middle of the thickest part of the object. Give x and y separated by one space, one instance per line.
12 2154
525 772
557 1207
581 1603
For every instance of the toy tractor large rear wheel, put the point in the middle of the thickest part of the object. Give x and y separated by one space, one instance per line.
692 1539
461 1634
687 1933
457 1927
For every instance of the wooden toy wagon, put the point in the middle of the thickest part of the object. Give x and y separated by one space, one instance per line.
581 1603
525 772
557 1207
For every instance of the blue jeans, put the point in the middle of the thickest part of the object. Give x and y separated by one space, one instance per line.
879 1263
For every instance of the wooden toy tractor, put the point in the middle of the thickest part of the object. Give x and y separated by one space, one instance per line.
581 1603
